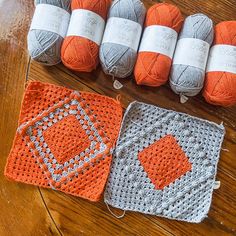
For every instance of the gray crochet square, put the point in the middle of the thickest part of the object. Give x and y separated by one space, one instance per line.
188 197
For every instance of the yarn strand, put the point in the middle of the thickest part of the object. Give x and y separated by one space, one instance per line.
116 216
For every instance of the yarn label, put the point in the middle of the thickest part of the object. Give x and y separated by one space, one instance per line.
191 52
50 18
86 24
159 39
122 31
222 58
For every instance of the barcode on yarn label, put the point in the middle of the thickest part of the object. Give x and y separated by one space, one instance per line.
222 58
159 39
50 18
191 52
122 31
86 24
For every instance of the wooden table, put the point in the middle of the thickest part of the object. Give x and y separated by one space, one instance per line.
28 210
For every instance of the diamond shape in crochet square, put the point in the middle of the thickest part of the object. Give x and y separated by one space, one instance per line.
164 161
66 139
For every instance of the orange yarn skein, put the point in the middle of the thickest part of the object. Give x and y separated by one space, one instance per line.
152 68
79 53
220 86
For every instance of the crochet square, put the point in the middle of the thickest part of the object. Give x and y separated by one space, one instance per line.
164 161
64 140
164 164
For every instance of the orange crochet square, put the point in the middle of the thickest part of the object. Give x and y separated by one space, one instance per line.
164 161
64 140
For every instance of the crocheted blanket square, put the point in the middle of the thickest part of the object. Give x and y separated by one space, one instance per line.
65 140
164 163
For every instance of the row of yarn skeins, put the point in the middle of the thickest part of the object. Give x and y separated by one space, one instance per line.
192 67
81 52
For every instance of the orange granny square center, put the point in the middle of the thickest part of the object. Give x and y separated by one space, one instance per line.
164 161
66 139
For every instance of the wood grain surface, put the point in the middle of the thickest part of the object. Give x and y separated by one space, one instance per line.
27 210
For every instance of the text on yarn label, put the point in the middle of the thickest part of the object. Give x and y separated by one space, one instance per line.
50 18
122 31
86 24
191 52
222 58
159 39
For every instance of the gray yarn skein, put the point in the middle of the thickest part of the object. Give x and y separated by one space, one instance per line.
44 46
118 60
189 80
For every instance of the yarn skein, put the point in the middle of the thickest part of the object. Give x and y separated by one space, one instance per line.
80 53
116 59
45 46
189 80
220 86
153 68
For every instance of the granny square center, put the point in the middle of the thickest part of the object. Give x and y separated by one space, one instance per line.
66 139
164 161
